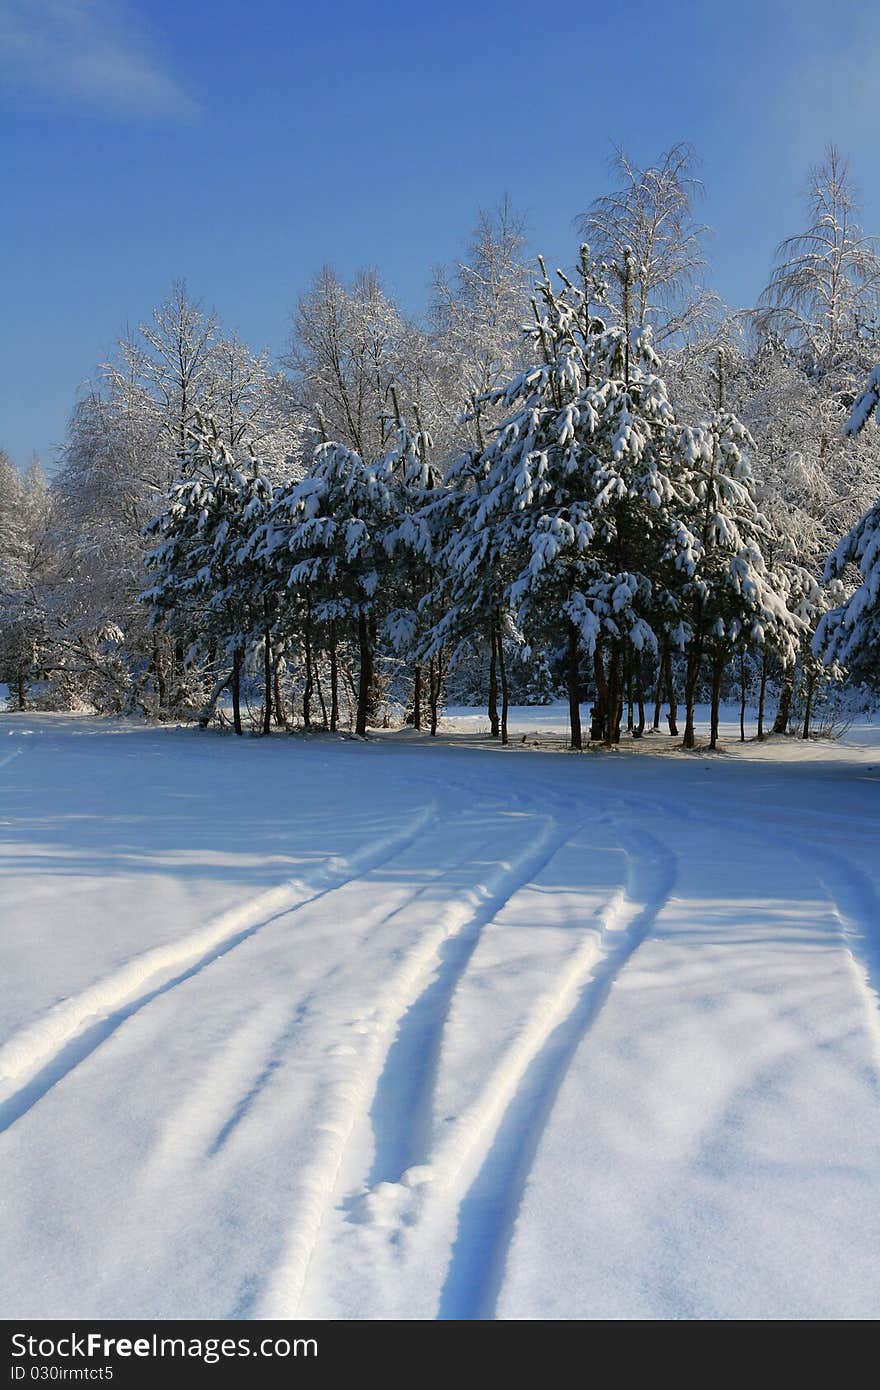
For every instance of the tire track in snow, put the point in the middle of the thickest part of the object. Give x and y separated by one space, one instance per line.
217 1090
409 1075
520 1099
351 1097
482 1161
410 1071
42 1054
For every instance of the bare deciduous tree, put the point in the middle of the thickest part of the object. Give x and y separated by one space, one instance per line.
824 290
346 353
177 362
481 306
255 408
651 213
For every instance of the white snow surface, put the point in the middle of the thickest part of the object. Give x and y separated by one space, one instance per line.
415 1028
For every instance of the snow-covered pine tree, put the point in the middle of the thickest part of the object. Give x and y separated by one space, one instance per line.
325 537
411 542
207 592
799 487
465 606
850 633
639 536
730 597
570 507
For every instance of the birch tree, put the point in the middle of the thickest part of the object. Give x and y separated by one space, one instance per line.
650 213
822 296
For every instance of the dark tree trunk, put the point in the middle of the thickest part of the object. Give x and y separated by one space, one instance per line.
615 697
22 700
742 697
308 688
375 701
235 683
365 678
690 694
177 665
639 729
658 698
670 694
573 684
611 702
493 680
783 713
630 703
502 670
417 697
762 693
267 682
280 713
717 673
810 686
348 681
320 690
599 712
334 682
435 688
432 723
159 669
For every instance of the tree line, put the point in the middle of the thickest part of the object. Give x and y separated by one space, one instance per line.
517 499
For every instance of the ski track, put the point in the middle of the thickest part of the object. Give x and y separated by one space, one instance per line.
43 1053
353 1097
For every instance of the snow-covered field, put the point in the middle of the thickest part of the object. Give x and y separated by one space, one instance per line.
422 1029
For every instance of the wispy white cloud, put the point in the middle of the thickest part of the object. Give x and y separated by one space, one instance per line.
92 52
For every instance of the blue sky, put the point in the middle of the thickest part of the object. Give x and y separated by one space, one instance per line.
244 143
